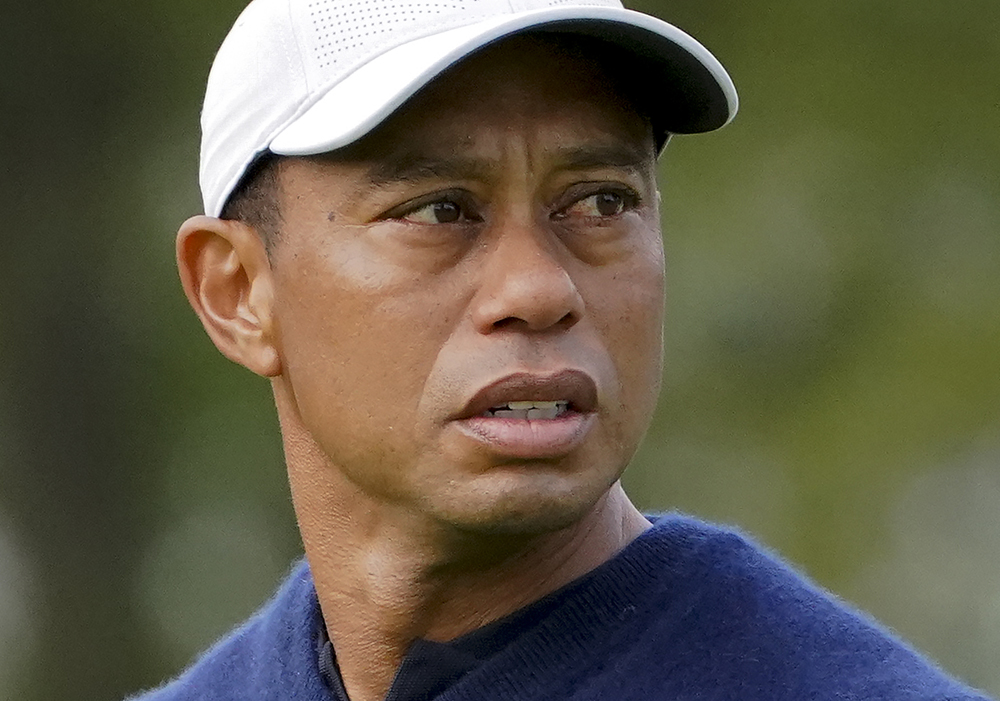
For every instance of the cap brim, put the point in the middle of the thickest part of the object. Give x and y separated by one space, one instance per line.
693 91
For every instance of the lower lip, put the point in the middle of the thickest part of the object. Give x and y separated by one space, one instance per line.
529 438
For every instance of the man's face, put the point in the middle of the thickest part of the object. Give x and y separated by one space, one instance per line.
468 302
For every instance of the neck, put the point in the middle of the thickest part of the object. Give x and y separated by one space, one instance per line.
386 576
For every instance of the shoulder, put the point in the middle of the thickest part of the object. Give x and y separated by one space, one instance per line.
271 656
740 615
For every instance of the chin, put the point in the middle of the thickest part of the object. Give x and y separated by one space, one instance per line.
524 509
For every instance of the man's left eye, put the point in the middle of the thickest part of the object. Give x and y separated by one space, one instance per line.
442 212
607 203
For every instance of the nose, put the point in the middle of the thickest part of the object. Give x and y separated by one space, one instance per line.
524 283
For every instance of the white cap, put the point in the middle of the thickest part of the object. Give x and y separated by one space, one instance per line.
302 77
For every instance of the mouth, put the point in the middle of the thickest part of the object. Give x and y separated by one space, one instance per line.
534 397
529 410
531 416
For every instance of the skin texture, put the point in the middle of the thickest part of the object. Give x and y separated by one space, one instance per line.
503 221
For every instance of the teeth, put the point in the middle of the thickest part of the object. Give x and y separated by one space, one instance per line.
533 410
525 406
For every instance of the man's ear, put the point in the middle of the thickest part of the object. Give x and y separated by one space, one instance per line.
226 276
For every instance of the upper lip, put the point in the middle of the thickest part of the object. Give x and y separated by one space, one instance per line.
574 386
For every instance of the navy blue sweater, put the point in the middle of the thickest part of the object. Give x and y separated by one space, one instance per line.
687 611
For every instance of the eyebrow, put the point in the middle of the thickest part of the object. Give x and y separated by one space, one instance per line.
413 167
619 155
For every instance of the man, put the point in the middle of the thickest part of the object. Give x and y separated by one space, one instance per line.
435 228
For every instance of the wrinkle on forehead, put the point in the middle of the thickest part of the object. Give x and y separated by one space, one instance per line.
416 166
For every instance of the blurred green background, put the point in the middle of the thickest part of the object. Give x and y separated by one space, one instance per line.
832 379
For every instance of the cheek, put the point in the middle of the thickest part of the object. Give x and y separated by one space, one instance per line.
628 299
629 316
357 339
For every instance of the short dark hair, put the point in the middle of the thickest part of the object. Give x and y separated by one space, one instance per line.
255 200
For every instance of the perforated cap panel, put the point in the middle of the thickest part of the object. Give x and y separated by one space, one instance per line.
345 28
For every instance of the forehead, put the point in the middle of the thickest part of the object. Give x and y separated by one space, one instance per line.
557 90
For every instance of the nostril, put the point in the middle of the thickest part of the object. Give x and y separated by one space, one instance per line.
504 323
568 320
513 322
